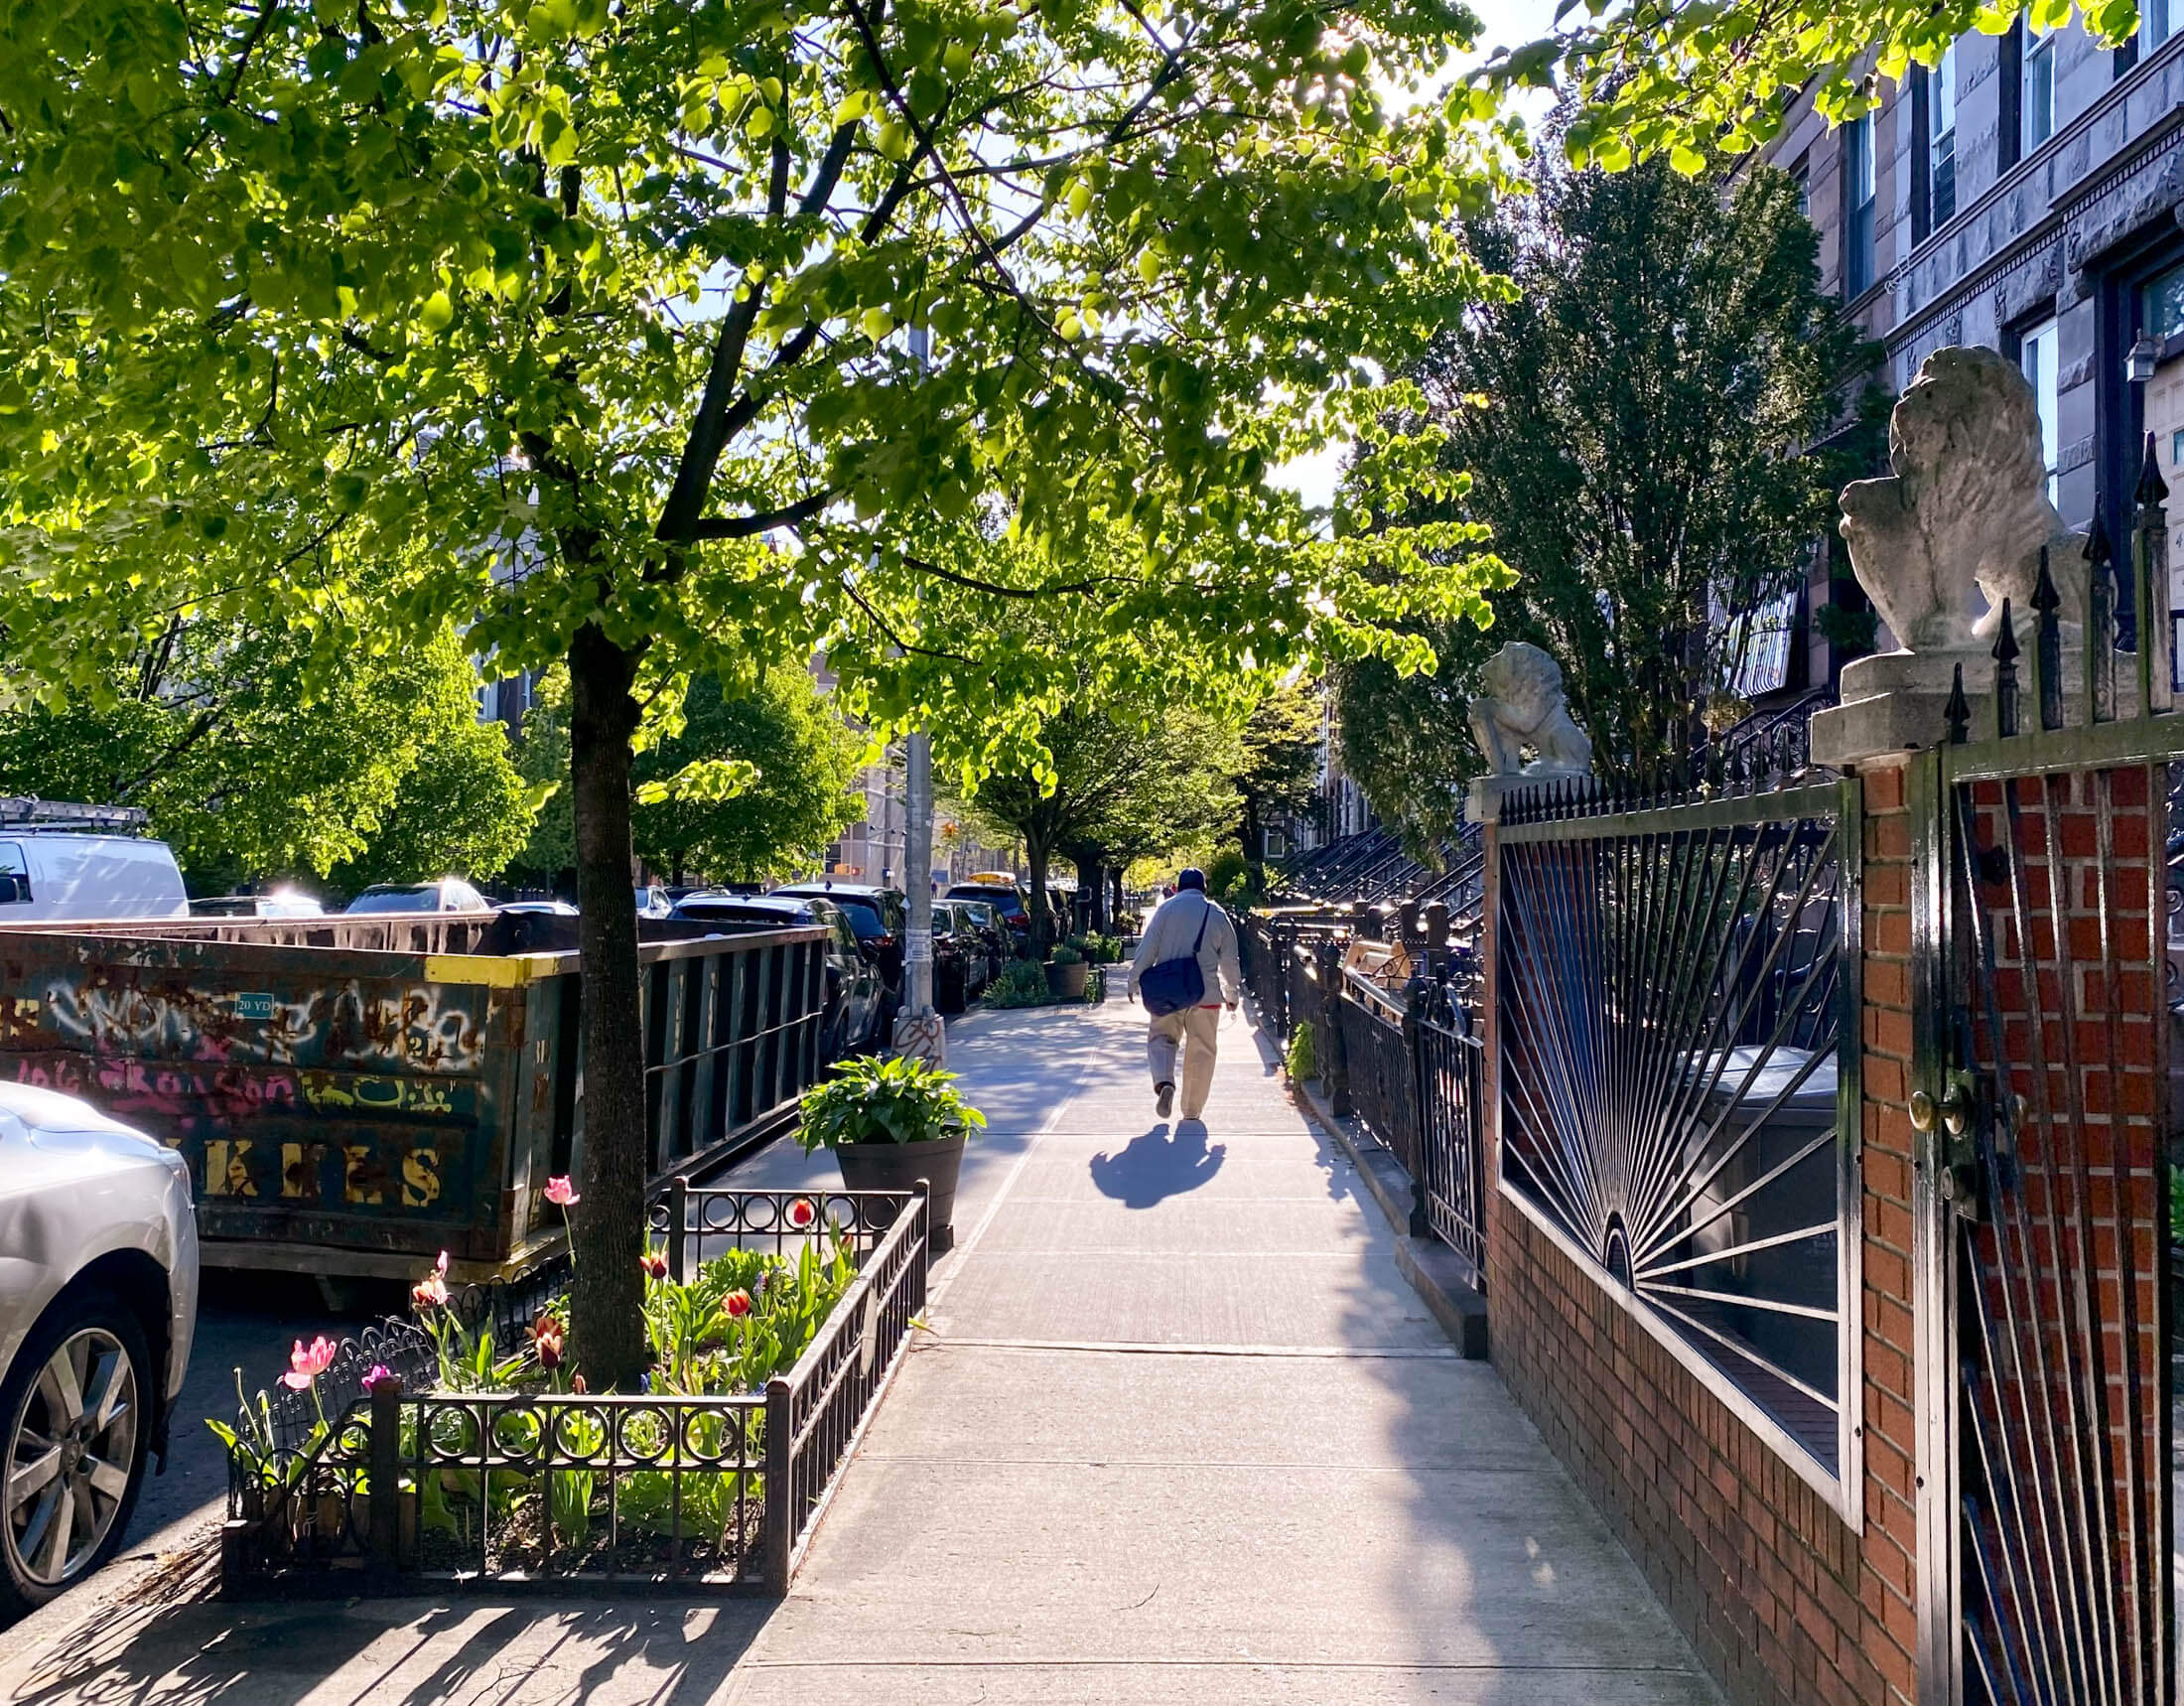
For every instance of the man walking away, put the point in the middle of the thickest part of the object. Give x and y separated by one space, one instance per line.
1188 924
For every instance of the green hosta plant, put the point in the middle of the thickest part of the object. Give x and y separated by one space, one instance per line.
895 1100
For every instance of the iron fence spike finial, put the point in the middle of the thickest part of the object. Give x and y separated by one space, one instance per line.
2152 488
2044 596
1958 712
2005 675
2047 652
2097 548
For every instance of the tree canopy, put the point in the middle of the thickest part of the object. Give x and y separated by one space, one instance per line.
254 765
1694 81
1113 791
587 328
1643 418
1278 765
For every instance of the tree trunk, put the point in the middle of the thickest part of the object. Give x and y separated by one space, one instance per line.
1092 881
1038 855
607 1299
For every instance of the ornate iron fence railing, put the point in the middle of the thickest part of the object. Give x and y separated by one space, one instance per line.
1675 987
406 1482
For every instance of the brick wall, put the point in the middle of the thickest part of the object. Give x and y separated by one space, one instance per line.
1781 1600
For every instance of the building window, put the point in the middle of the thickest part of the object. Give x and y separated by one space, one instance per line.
1941 144
2165 305
2036 356
2036 104
1858 182
2157 21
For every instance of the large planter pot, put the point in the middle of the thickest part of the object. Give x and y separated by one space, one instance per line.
900 1166
1067 981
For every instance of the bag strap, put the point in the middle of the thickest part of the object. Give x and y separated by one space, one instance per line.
1205 916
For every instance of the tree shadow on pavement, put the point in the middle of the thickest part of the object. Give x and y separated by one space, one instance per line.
1154 1166
186 1649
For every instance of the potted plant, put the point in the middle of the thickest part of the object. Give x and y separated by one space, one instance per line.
1065 974
891 1122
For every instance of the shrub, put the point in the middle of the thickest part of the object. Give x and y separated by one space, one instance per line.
1302 1059
1066 955
1022 983
891 1099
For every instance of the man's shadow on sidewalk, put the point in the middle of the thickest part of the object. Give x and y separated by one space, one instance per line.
1154 1167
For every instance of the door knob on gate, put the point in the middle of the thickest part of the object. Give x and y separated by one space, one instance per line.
1953 1112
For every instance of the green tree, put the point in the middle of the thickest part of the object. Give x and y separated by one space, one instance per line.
1636 414
257 760
1112 790
774 819
587 325
1692 82
1280 751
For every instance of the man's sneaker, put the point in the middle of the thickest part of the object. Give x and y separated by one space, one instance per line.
1167 1099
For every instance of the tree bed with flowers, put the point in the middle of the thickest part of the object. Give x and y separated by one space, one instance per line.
774 1319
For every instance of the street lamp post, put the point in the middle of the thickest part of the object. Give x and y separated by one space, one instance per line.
919 1030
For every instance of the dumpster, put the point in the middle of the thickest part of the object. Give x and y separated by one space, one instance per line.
355 1096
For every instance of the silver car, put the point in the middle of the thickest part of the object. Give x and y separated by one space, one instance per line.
98 1302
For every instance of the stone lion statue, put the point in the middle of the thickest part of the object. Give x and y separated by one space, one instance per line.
1965 506
1520 704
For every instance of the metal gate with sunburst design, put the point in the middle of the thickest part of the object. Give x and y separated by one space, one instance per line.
1676 978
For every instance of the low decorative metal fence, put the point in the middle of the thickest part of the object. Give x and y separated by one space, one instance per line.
375 1481
1380 1066
1451 1174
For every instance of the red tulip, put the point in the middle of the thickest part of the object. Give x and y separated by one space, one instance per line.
800 1213
738 1304
654 1264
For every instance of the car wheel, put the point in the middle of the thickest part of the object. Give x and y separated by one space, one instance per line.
76 1410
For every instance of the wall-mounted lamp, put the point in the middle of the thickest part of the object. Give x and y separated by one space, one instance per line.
2139 363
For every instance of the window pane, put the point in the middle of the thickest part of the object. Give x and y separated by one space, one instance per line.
2039 103
2165 304
2158 20
2036 356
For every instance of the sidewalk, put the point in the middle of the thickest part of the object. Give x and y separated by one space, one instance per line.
1179 1433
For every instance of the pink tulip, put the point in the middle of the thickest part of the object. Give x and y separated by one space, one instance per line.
306 1365
561 1193
431 1292
377 1372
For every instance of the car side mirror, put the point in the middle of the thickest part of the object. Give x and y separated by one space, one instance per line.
14 889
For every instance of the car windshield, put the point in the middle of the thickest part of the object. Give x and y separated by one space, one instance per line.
411 897
863 917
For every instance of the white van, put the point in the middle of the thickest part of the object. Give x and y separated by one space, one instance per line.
56 874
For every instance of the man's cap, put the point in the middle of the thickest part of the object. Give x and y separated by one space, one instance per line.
1191 878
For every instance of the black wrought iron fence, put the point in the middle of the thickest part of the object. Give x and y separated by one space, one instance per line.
380 1477
1452 1151
1380 1066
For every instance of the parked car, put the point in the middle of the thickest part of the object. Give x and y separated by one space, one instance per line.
856 996
881 918
1005 899
98 1302
60 862
444 894
280 904
653 901
961 961
982 917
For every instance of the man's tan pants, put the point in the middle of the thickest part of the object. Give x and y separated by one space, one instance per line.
1198 1030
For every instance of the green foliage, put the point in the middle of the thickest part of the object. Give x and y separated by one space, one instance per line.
2176 1205
1233 880
883 1099
585 329
1302 1058
803 762
1698 83
1098 949
257 759
1022 983
1639 469
1279 763
1852 633
1065 955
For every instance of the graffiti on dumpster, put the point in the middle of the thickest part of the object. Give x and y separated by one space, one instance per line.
369 1173
421 1027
